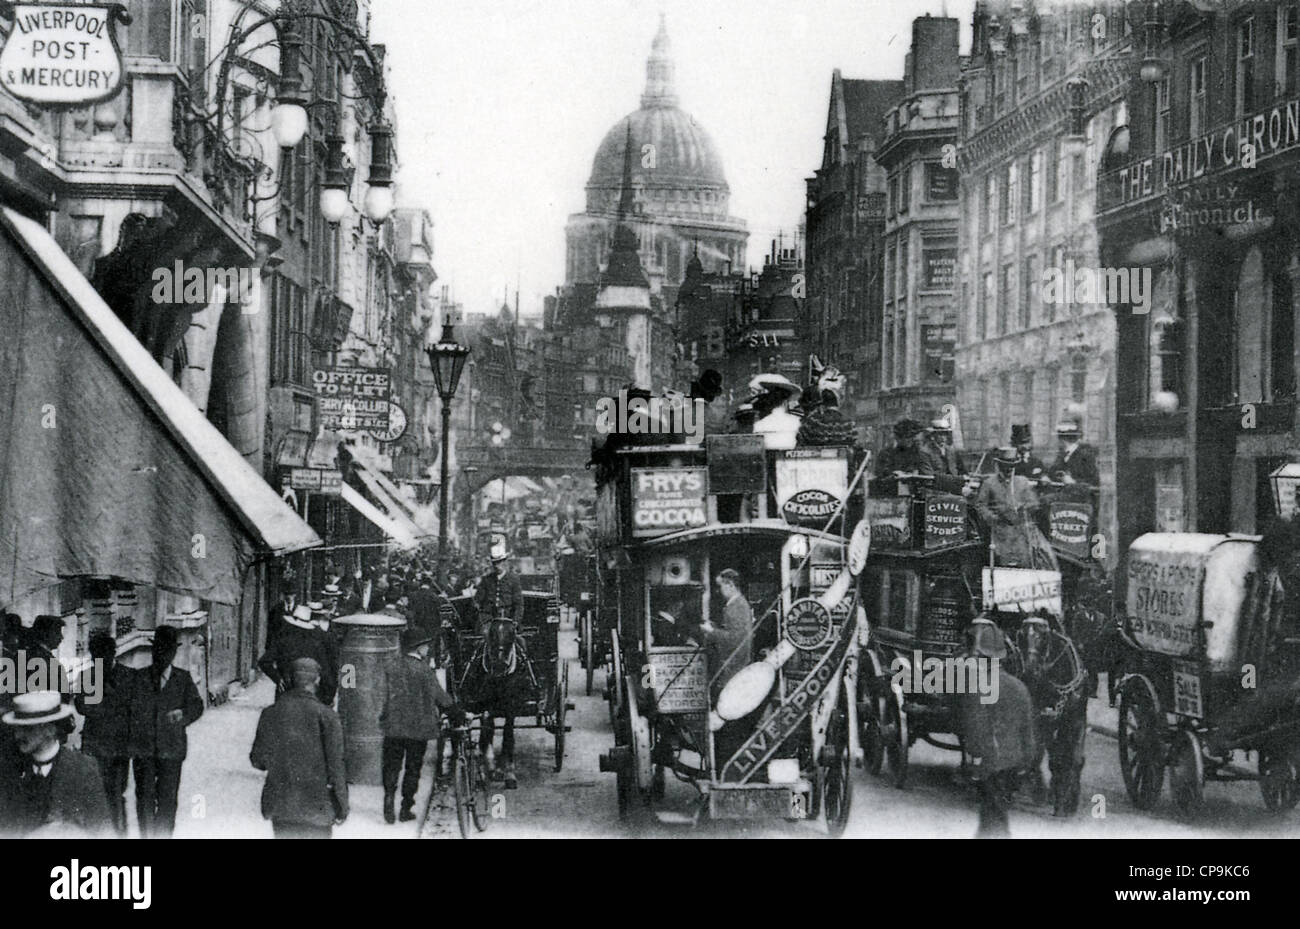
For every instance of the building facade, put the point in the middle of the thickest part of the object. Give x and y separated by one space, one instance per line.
1197 191
918 333
845 226
1045 87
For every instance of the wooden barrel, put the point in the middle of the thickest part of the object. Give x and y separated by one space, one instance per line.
370 643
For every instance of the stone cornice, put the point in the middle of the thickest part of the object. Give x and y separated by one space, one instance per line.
1045 116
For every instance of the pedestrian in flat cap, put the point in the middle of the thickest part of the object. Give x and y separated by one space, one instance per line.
301 637
106 732
58 791
299 744
163 702
412 699
997 735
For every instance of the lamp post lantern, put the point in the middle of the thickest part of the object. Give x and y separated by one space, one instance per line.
447 359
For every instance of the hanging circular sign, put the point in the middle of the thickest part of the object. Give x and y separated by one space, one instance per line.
808 624
859 546
396 424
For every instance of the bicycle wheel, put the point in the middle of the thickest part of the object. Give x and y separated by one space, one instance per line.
463 790
480 810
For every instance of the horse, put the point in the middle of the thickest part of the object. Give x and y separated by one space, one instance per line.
1051 669
498 681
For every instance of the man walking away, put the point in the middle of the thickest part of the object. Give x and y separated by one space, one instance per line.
164 701
999 737
58 792
299 744
412 699
107 712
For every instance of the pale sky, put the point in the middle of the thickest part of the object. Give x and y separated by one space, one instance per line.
502 103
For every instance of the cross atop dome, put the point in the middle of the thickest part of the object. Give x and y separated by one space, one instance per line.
660 89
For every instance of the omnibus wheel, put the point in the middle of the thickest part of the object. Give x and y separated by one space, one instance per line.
1141 746
837 790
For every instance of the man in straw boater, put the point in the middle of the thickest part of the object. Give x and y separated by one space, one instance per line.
301 637
499 592
58 791
939 445
412 700
299 744
999 735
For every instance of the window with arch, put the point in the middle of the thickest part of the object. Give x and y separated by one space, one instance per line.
1265 332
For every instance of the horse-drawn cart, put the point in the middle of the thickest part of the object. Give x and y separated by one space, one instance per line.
1209 670
930 575
505 671
759 722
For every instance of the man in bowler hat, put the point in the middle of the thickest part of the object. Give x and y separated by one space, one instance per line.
163 702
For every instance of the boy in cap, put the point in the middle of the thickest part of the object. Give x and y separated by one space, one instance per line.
411 699
58 787
299 744
163 702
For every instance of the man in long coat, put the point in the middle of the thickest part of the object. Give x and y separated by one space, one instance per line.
299 744
412 700
999 736
106 732
163 701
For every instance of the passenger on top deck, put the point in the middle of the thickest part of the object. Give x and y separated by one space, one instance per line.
773 394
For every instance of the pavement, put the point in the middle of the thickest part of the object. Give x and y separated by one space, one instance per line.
220 790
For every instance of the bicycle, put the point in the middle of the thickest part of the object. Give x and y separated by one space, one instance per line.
469 782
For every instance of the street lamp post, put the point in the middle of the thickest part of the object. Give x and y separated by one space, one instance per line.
447 359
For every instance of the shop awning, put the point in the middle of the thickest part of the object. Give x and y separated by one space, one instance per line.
394 510
390 527
106 467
